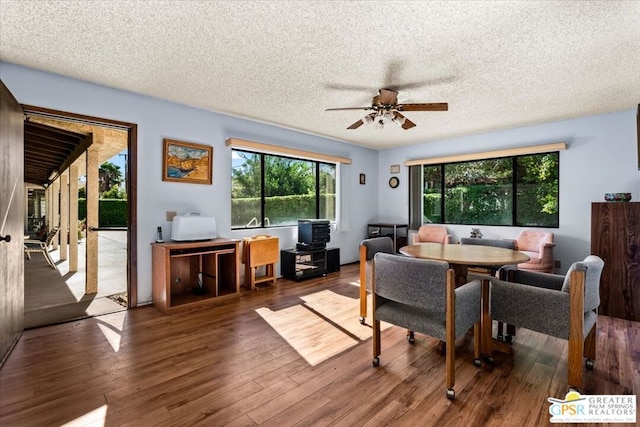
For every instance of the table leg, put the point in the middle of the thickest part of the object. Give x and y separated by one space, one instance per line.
460 271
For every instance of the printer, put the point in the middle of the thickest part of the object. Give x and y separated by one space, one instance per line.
193 226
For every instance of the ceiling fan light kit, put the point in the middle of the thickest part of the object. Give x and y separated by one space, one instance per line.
387 110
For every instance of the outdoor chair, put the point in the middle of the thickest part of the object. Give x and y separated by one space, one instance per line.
420 295
38 246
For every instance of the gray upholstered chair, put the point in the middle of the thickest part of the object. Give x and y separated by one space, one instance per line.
420 295
560 306
368 249
498 243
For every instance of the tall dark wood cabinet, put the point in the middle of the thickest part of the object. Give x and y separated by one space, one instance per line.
615 237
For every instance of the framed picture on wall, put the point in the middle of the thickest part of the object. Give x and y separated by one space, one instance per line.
187 162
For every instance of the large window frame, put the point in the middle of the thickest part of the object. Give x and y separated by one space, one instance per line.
512 197
318 167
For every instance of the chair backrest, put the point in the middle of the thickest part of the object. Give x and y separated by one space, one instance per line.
498 243
51 235
532 240
411 281
432 233
592 266
377 244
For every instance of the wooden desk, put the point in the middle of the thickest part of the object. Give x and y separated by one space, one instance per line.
459 258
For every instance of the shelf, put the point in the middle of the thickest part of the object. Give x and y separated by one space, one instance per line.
178 265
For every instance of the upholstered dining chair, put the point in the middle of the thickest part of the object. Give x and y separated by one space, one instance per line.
368 249
538 245
432 233
38 246
498 243
560 306
420 295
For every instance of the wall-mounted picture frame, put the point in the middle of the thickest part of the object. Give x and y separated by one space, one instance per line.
363 179
394 169
187 162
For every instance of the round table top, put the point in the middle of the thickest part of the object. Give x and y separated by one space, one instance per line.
465 254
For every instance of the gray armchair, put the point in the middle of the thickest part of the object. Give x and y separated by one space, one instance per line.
560 306
368 249
420 295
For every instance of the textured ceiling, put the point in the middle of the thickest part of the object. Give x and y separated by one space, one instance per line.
498 64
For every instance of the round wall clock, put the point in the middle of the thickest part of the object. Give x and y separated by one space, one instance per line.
394 182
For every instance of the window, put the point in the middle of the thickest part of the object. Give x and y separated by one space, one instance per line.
271 191
512 191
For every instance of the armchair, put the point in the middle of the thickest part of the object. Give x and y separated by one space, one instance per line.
538 245
431 233
420 295
560 306
368 249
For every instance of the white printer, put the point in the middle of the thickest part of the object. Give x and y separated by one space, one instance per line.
193 226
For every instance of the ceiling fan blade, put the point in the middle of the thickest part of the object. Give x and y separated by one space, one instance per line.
356 125
348 108
406 123
387 96
440 106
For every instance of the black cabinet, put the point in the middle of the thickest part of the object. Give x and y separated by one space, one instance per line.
303 264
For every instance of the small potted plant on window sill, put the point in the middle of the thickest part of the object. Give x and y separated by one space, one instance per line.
476 233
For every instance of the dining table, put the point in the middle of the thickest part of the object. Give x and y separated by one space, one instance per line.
460 258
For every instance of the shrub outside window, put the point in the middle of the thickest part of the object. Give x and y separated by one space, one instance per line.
508 191
270 191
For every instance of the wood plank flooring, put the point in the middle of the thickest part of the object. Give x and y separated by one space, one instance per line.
290 355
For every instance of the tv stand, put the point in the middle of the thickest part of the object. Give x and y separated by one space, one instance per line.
303 264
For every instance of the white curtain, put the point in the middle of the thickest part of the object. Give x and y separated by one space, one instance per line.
343 205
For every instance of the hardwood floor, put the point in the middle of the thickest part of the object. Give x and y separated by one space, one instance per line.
294 354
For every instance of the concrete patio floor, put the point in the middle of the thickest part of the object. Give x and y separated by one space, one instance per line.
54 296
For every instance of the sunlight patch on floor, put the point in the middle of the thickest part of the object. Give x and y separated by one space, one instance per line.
326 324
95 418
111 327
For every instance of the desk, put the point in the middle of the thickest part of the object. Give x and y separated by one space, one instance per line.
459 258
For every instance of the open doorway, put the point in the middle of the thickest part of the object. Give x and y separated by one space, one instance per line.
90 200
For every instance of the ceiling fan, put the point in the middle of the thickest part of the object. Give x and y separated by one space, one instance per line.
386 109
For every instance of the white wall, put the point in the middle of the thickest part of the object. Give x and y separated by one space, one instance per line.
601 158
158 119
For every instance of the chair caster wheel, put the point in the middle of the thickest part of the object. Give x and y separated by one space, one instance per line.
477 363
508 339
376 361
589 364
488 360
411 338
362 320
451 394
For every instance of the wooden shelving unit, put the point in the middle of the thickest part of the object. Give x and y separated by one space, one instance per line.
189 274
